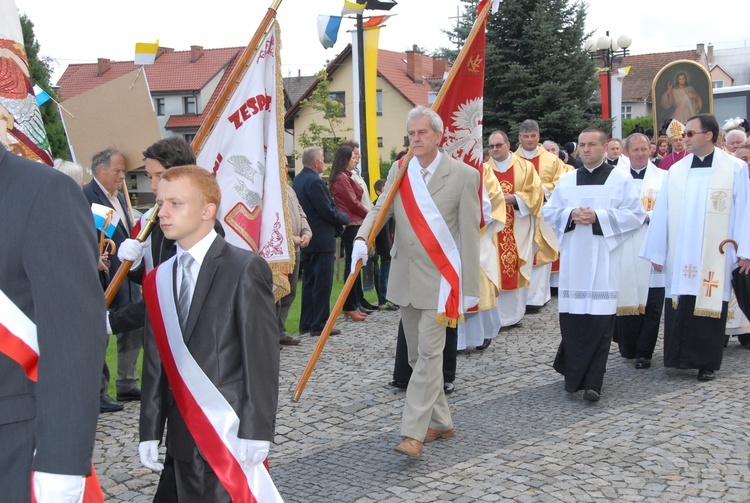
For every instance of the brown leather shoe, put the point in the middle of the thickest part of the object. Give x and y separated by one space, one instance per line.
433 434
409 447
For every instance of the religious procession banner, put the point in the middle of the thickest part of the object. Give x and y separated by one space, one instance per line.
21 128
244 150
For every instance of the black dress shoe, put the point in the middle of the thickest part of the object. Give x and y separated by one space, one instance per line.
369 306
365 310
642 363
591 395
448 388
106 404
133 395
706 375
398 384
484 345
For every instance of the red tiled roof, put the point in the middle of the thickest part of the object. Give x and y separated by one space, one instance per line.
172 72
392 67
644 67
184 121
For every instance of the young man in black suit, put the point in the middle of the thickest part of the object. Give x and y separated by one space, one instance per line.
212 315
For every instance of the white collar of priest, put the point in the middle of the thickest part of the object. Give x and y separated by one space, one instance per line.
530 153
703 162
502 166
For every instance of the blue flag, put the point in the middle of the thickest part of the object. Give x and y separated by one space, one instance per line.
328 30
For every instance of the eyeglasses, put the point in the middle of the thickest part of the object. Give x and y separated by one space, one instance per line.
690 134
496 145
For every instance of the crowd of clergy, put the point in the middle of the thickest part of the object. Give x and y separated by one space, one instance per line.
622 241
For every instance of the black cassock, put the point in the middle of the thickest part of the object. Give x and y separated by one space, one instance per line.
586 338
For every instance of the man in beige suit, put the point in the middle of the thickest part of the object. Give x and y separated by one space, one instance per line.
437 217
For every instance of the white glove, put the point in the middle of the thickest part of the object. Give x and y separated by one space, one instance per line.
106 320
253 452
358 252
148 451
133 250
57 488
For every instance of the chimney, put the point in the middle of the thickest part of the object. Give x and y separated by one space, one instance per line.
414 65
699 50
196 51
438 68
710 54
162 50
102 65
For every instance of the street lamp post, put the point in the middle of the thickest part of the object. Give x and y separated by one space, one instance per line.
609 52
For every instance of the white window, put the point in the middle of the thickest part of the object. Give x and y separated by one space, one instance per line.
190 105
627 112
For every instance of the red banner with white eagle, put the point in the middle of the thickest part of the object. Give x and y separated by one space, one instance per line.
462 107
245 151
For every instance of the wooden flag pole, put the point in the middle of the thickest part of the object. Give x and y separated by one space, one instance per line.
124 268
212 116
478 25
392 190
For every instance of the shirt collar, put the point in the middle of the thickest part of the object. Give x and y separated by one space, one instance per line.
530 153
111 195
433 165
198 250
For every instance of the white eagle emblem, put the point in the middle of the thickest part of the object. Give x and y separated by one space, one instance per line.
463 138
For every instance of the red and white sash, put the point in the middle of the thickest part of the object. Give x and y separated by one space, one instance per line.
18 339
438 242
19 342
213 423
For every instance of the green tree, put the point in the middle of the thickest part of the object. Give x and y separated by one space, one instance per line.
536 68
325 135
40 69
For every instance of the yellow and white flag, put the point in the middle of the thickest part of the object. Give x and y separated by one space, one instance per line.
145 53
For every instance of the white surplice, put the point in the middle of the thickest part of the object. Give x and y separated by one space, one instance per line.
682 275
590 264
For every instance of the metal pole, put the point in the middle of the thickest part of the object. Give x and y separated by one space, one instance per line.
361 104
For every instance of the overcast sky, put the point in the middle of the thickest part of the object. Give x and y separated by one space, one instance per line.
80 31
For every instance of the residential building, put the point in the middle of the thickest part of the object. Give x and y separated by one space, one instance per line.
405 80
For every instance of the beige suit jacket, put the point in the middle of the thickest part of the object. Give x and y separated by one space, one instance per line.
414 279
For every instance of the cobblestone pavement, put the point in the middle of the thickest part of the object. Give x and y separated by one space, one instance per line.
656 435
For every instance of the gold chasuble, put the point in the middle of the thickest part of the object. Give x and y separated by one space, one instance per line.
522 181
549 167
489 275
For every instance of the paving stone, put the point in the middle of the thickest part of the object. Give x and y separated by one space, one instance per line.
656 435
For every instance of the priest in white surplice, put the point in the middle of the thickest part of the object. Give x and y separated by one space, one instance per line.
593 211
703 201
641 296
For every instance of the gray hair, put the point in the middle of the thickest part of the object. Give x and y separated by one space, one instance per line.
550 142
528 126
310 155
104 158
436 123
71 169
633 136
735 132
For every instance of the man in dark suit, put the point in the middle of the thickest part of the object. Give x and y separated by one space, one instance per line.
318 257
58 293
218 301
108 167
